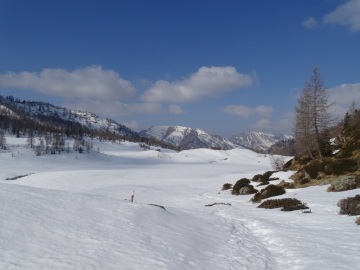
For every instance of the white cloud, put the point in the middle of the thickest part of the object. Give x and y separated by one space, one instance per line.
343 95
207 81
238 110
347 14
282 125
175 109
246 112
263 110
310 23
135 108
86 83
262 125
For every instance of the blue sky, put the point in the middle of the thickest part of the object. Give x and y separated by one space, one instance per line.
222 66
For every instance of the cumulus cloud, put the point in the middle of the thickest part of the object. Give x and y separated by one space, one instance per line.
278 126
207 81
310 23
347 14
282 125
246 112
343 95
86 83
262 124
175 109
136 108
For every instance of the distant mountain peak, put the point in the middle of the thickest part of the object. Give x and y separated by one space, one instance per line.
258 141
187 138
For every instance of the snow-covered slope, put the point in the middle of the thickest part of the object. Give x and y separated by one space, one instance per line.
72 211
187 138
42 110
258 141
6 111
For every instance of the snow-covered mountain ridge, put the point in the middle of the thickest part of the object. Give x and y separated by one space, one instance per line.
258 141
187 138
42 110
178 136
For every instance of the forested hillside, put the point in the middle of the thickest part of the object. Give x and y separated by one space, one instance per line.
54 124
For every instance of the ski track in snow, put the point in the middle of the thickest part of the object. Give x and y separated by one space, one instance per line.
73 212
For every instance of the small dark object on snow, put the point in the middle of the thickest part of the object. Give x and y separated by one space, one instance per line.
17 177
160 206
217 204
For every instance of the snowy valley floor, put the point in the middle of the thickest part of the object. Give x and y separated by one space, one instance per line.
72 211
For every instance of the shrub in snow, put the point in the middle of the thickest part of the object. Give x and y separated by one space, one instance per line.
266 176
350 206
239 184
226 186
292 204
286 204
269 191
263 177
248 189
345 183
257 178
257 198
357 221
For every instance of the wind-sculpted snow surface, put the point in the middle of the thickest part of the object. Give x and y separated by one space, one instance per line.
63 230
72 211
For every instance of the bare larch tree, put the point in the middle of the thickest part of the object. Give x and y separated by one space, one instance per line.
313 116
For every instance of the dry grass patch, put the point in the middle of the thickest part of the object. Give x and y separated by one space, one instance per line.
286 204
350 206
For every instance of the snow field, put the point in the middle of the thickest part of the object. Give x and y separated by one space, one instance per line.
73 212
